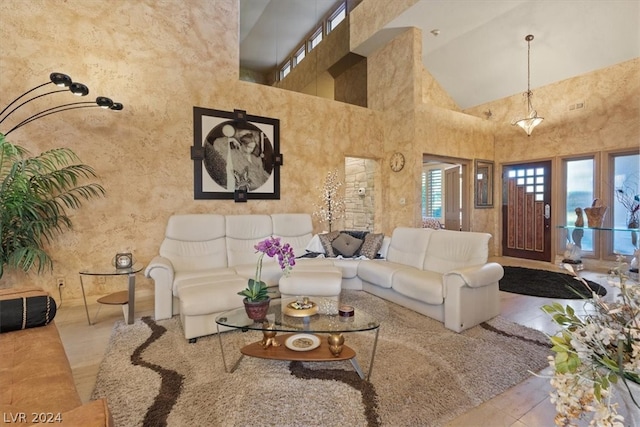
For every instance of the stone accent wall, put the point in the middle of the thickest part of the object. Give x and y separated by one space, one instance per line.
360 208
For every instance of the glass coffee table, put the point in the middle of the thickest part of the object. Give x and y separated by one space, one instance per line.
315 338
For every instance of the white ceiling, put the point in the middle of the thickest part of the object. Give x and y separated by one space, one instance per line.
480 54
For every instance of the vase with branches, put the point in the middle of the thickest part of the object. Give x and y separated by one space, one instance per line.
331 206
628 196
36 193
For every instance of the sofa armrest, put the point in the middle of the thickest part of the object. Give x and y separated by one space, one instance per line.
92 414
478 275
472 295
160 269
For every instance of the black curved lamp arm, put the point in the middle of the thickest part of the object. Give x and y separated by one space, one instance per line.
75 88
14 101
101 101
29 100
58 79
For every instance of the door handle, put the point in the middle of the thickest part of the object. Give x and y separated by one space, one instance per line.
547 211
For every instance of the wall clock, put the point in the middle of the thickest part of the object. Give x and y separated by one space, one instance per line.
397 162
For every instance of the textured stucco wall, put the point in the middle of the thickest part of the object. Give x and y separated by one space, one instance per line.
159 58
610 122
610 119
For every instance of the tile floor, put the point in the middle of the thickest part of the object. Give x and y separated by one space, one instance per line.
525 405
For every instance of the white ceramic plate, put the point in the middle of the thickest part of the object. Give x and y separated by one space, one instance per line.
302 342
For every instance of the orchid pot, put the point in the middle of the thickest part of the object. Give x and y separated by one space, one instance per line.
256 301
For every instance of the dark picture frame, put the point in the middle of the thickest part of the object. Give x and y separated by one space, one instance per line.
483 184
235 156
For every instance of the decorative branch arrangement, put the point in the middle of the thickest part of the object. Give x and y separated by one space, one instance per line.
628 196
597 354
331 206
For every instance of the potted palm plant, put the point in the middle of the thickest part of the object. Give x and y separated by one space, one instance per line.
35 194
256 301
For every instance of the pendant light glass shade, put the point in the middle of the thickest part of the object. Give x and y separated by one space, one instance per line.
532 119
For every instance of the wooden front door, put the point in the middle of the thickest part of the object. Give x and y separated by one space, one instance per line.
526 211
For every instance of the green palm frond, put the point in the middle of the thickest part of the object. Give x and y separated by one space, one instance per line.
35 195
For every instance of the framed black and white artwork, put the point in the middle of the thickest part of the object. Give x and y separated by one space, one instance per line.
235 156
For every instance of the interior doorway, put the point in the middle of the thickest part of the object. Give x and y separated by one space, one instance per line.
445 183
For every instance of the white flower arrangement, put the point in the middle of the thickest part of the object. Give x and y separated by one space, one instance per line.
595 350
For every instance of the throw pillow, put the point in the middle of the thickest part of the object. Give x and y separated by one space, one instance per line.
26 312
372 244
326 240
346 245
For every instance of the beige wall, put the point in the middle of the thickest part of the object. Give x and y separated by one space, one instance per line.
610 122
161 58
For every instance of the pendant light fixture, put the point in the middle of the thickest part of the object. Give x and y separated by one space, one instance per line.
532 120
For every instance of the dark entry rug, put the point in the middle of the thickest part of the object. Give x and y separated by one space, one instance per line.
547 284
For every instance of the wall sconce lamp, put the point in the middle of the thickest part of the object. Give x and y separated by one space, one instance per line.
61 80
532 119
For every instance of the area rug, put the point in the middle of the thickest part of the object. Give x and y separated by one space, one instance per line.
423 374
547 284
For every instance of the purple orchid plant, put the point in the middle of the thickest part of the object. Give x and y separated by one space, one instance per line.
272 247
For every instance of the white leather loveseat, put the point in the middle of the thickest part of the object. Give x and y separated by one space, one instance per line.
205 259
439 273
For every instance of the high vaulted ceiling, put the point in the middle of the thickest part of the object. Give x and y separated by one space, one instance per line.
480 53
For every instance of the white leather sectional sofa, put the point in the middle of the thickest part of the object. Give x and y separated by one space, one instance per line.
205 259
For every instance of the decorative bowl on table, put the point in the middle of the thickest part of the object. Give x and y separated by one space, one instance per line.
302 342
302 308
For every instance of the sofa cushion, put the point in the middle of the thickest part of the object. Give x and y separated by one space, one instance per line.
349 267
346 245
208 298
195 242
92 414
449 250
312 283
371 245
424 286
35 375
409 245
318 263
326 239
294 229
243 233
379 272
187 278
270 274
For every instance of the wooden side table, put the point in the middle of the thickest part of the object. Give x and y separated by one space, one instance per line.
125 298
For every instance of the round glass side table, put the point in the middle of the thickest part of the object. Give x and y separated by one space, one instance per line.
125 298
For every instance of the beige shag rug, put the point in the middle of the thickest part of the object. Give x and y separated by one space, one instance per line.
423 374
